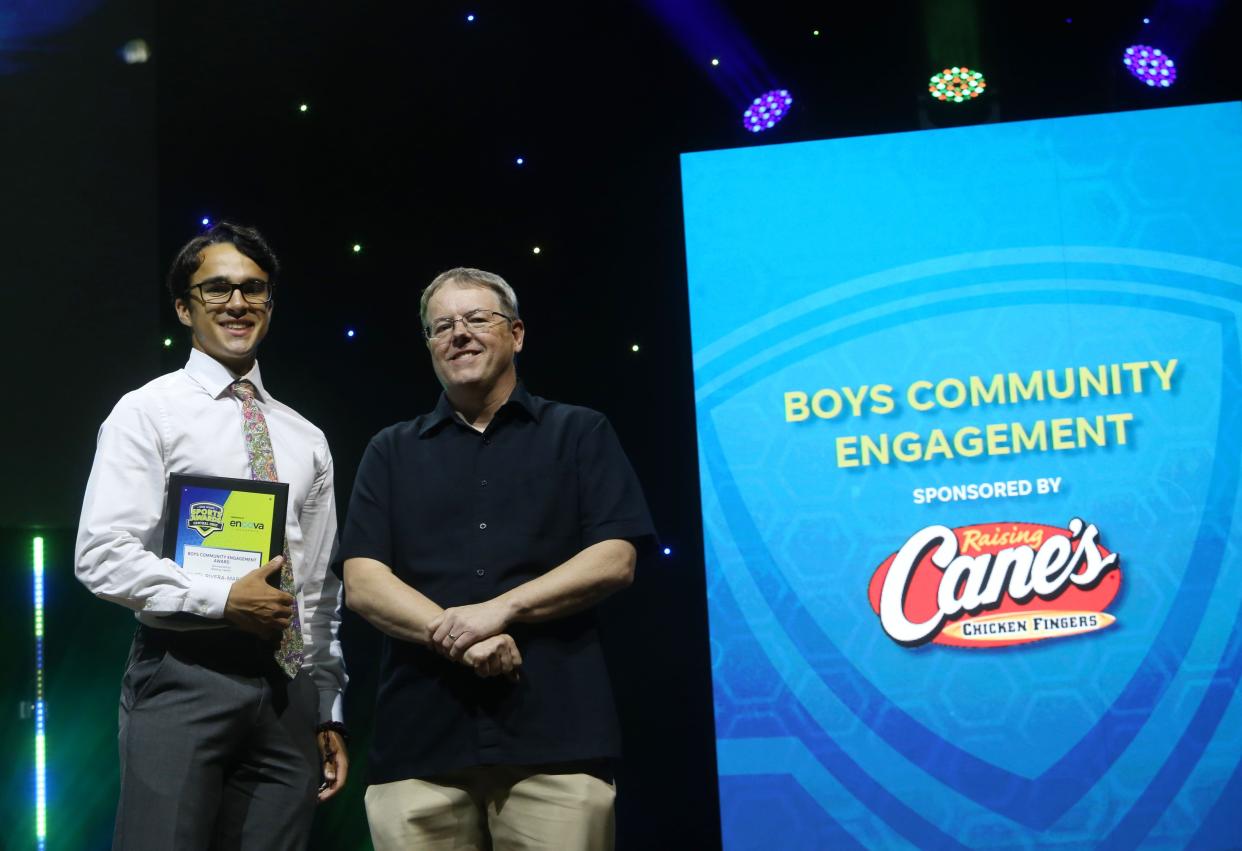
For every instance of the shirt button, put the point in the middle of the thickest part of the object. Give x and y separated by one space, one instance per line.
480 572
482 525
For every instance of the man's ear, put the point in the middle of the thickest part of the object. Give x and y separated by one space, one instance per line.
519 335
183 311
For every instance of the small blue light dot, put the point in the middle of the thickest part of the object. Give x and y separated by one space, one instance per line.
667 551
470 18
520 161
1147 20
349 333
206 221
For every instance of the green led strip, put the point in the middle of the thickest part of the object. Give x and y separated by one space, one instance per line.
40 738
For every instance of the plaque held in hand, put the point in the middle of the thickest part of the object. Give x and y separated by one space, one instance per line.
223 528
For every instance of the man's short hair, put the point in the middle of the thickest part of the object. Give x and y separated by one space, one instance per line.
471 277
246 240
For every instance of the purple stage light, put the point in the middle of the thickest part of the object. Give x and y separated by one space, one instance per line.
1151 65
766 110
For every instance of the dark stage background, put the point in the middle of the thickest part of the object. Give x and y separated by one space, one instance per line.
414 119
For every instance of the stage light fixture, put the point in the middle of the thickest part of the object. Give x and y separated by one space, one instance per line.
470 19
520 161
767 110
956 84
168 342
1150 65
204 221
357 248
815 33
349 333
536 250
634 347
667 551
303 107
715 61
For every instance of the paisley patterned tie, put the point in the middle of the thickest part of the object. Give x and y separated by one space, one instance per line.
263 468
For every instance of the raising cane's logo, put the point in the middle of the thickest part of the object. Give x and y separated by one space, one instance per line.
994 585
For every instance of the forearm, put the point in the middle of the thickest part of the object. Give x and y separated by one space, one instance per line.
118 568
387 603
577 584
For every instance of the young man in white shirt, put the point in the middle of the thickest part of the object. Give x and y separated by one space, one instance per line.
230 711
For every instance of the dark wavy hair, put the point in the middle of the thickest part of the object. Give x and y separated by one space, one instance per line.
246 240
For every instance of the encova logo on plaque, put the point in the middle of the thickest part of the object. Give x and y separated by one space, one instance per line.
995 584
205 518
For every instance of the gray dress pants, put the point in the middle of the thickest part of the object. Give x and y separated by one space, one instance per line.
217 746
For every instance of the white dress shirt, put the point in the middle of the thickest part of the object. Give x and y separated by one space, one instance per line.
188 422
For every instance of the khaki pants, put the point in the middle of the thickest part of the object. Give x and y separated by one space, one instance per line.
494 808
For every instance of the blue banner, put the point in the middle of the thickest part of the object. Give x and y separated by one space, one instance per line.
967 404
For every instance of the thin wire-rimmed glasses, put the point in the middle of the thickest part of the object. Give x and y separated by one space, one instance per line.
474 321
220 291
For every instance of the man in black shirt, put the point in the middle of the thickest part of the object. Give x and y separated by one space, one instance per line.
480 536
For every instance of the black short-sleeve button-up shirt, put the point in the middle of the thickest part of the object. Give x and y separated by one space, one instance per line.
464 516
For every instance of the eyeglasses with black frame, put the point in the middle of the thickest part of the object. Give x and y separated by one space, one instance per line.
220 290
474 321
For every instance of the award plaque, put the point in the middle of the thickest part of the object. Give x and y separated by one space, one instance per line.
223 528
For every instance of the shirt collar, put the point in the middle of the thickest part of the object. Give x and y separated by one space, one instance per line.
519 400
216 378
